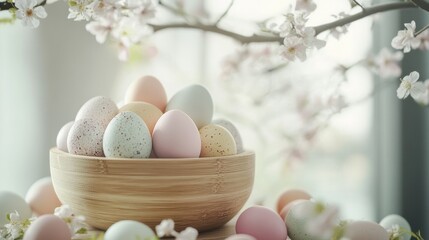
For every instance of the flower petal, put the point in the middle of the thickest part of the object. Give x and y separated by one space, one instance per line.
417 90
402 92
414 76
40 12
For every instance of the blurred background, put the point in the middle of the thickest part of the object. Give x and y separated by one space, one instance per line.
370 158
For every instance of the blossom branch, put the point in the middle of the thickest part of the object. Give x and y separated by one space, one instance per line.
368 11
264 38
358 4
421 30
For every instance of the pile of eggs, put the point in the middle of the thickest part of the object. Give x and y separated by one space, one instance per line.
295 209
149 126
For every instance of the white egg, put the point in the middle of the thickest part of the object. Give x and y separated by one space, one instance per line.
11 202
128 229
365 230
86 138
127 136
100 108
196 102
391 220
297 219
62 136
234 132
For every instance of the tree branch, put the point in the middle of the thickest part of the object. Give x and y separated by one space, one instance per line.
260 38
368 11
215 29
224 13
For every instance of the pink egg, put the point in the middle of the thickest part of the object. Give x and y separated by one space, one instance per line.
62 136
289 196
176 136
147 89
261 223
48 227
365 230
241 237
42 197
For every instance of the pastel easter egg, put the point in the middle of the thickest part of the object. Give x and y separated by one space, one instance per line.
289 196
297 220
48 227
62 136
234 132
11 202
195 101
99 108
128 229
240 237
390 221
216 141
288 207
42 198
365 230
146 111
261 223
147 89
176 136
127 136
86 138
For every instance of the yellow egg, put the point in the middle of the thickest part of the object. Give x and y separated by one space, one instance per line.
148 112
216 141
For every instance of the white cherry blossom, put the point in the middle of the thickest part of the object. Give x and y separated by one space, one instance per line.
29 12
405 39
80 10
100 28
387 63
165 228
424 98
293 48
410 86
188 234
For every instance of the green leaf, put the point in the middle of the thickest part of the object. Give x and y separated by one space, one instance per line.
8 217
72 3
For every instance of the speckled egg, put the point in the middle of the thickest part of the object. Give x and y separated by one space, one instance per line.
148 112
100 108
297 219
195 101
62 136
262 223
86 138
365 230
48 227
391 220
291 195
127 136
42 197
176 136
128 229
234 132
147 89
240 237
11 202
216 141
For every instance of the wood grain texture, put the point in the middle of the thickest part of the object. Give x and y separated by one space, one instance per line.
204 193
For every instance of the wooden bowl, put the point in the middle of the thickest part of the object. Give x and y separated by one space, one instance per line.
204 193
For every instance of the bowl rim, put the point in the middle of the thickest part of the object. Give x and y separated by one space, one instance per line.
246 153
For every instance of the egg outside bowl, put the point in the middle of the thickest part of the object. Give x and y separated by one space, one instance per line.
204 193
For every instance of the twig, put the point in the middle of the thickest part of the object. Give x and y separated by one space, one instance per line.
421 30
422 4
224 13
358 4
